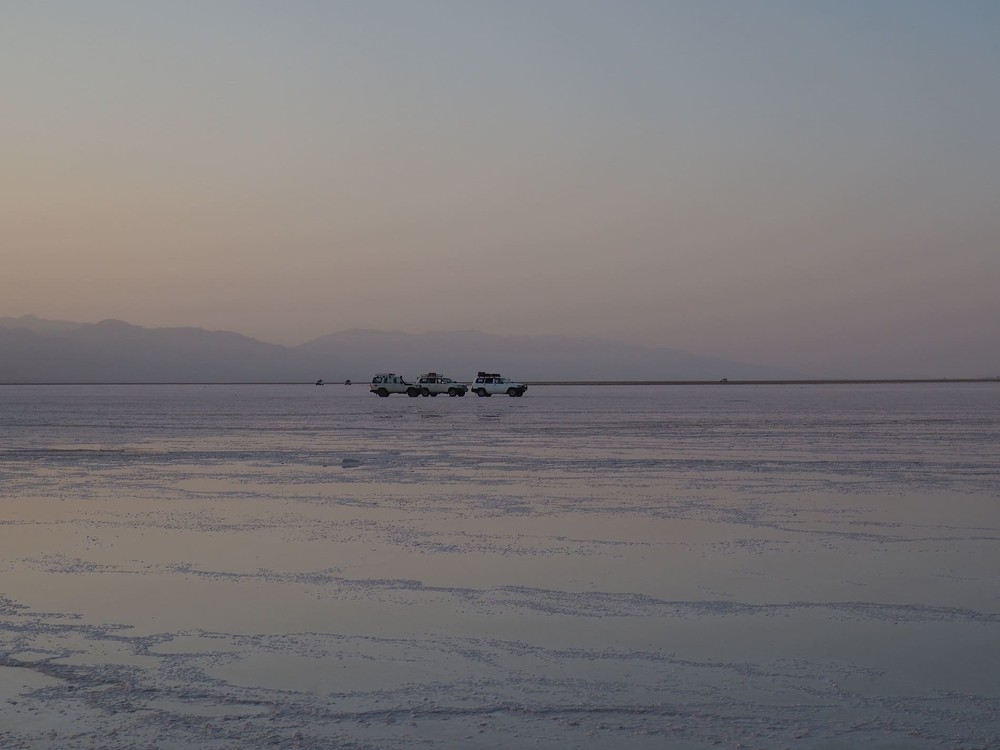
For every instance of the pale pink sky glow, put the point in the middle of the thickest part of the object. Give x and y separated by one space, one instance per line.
808 185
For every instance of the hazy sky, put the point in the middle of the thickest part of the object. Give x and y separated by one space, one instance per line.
807 184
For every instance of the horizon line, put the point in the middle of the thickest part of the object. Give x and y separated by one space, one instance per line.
723 381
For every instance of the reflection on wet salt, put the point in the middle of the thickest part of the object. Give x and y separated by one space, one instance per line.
592 567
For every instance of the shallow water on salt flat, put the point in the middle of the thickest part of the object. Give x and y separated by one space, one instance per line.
230 566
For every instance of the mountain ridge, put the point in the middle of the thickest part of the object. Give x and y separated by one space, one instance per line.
36 350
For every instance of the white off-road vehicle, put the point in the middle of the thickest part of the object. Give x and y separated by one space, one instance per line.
385 383
431 384
488 383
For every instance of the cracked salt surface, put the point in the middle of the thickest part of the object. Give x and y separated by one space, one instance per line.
264 566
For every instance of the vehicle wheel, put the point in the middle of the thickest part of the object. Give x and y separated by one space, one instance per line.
452 392
480 392
412 392
512 392
520 393
461 393
424 392
382 392
433 395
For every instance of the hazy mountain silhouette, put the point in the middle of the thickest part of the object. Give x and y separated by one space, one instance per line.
34 350
114 351
38 325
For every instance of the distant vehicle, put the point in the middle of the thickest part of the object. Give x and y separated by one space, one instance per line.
488 383
431 384
385 383
319 382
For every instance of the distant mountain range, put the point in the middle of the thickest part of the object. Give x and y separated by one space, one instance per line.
33 350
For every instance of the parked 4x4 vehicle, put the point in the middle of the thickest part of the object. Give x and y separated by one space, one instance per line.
385 383
431 384
488 383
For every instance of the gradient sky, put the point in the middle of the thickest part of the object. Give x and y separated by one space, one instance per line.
813 185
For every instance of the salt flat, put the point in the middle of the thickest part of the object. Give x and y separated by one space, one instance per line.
646 567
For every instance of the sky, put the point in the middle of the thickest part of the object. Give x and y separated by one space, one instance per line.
805 184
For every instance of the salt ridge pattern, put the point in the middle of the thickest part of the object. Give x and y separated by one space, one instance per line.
265 566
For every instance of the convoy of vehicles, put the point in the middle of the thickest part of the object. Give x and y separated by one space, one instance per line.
433 384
